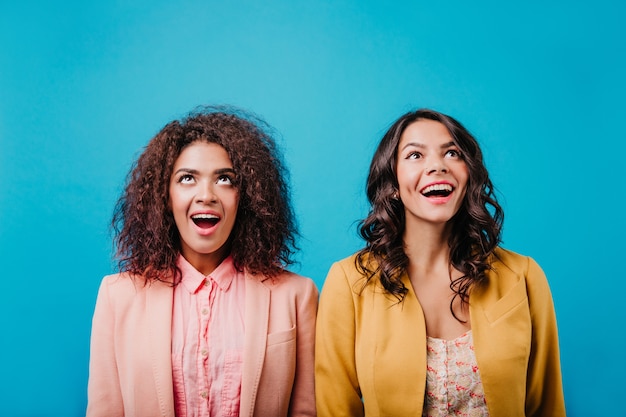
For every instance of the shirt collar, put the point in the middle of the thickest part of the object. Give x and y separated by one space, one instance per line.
192 279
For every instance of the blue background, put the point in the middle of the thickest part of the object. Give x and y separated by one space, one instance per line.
85 85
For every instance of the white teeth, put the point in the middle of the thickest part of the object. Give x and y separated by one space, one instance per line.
204 216
437 187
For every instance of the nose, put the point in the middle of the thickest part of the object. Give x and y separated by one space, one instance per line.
437 165
206 194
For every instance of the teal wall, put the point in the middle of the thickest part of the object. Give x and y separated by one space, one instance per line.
85 85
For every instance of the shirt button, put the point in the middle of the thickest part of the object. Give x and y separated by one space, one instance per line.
206 283
205 311
204 394
205 352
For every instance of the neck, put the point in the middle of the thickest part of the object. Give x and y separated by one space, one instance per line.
427 248
205 264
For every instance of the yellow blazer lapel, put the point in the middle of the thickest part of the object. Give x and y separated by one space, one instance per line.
400 335
390 351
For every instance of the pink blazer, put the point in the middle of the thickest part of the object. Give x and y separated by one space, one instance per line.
130 370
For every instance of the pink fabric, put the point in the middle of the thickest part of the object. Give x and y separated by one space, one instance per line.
208 341
453 384
130 366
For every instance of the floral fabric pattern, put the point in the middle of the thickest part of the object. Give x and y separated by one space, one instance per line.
453 384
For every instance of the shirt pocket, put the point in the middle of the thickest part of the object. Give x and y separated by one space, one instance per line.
509 330
279 370
231 395
509 304
282 336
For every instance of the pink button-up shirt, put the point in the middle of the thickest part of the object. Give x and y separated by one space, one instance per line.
207 341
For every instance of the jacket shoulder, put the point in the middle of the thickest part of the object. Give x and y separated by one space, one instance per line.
347 267
510 273
288 282
507 262
506 257
118 284
345 277
125 289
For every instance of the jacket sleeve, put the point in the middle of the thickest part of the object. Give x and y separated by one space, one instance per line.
103 392
337 387
302 401
544 391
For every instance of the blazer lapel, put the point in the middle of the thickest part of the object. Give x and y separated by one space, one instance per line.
159 299
400 334
255 327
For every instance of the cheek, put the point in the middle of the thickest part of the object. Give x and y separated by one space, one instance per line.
229 200
177 205
407 178
234 205
464 170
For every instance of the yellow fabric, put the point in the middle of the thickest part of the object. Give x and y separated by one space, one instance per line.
371 351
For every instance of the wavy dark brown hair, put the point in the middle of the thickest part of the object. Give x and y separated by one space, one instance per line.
476 227
263 238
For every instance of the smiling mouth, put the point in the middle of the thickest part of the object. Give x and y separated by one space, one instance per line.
437 190
205 221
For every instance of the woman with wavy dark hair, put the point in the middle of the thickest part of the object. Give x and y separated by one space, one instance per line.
204 319
432 317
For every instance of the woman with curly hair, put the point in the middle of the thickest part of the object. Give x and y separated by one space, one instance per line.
204 319
432 317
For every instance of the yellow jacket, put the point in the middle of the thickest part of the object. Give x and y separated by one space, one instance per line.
371 351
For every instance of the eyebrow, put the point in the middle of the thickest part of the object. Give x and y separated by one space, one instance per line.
421 145
219 171
225 171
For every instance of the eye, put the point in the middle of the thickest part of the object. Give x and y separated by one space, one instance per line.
186 179
224 179
453 153
413 155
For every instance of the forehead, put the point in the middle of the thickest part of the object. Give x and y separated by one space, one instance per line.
203 154
425 132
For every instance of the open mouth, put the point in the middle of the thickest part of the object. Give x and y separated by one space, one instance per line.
437 190
205 221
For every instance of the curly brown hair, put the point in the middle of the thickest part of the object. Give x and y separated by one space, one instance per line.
476 227
263 238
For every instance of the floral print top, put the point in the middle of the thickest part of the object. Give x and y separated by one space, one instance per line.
453 384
